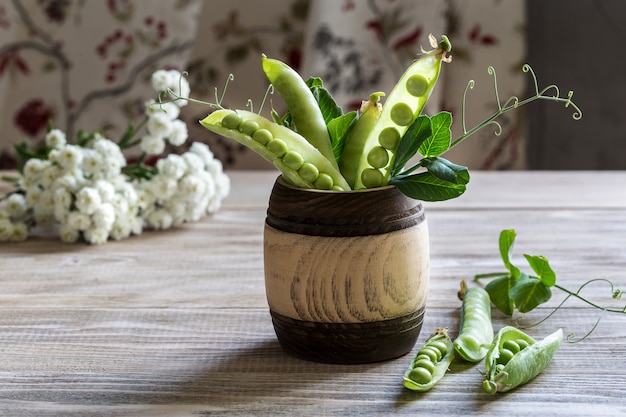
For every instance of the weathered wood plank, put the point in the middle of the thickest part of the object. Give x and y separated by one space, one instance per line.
176 323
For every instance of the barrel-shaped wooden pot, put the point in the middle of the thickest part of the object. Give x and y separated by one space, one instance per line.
346 273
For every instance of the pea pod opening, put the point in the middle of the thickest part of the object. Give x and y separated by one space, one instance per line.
506 370
430 363
402 106
301 164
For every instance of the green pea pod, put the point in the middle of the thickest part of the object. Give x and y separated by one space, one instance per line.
300 163
403 105
506 369
355 142
430 363
476 332
303 108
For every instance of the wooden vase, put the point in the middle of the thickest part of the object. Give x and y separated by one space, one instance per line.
346 273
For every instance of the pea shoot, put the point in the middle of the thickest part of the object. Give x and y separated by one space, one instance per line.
516 290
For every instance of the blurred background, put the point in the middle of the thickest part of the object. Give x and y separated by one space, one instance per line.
87 64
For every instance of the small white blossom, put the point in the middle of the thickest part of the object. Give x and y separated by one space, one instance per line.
87 200
170 109
105 189
160 80
152 144
178 134
68 234
162 187
33 196
160 219
92 162
192 187
96 236
34 167
121 229
70 157
104 216
49 175
203 151
176 209
194 162
159 124
16 205
6 230
20 232
55 138
72 181
62 203
173 166
79 221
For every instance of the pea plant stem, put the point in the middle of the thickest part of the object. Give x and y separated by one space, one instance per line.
583 299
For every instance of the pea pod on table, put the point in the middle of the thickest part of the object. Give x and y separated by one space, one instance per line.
516 358
476 334
430 363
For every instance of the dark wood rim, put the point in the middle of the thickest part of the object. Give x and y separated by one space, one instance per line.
340 213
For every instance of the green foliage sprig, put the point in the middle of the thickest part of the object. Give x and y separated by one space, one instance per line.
516 290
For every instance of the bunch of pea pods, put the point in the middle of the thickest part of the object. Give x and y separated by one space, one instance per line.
512 357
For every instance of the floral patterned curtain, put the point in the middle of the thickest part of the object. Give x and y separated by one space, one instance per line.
87 64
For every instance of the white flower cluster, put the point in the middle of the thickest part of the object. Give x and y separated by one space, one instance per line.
163 123
84 191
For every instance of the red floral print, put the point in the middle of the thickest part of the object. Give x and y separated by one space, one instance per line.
33 117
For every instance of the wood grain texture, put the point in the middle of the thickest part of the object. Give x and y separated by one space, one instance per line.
176 323
347 279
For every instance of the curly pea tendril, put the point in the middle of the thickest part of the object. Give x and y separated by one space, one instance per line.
616 294
513 102
218 98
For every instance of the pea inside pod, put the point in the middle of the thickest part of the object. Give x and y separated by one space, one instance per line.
430 363
507 369
301 164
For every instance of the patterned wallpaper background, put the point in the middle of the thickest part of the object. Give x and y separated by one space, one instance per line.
80 64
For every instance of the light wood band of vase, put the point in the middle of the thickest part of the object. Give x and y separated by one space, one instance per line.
346 279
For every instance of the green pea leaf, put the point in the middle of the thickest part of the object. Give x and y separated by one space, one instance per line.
542 268
338 129
506 241
439 142
427 187
446 170
528 292
499 292
415 135
329 107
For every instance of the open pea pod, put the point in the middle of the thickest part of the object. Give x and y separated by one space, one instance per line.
516 358
402 106
430 363
301 164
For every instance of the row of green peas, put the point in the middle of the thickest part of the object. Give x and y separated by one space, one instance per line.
512 357
302 164
430 363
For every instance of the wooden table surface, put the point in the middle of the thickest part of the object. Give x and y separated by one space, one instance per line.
176 323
